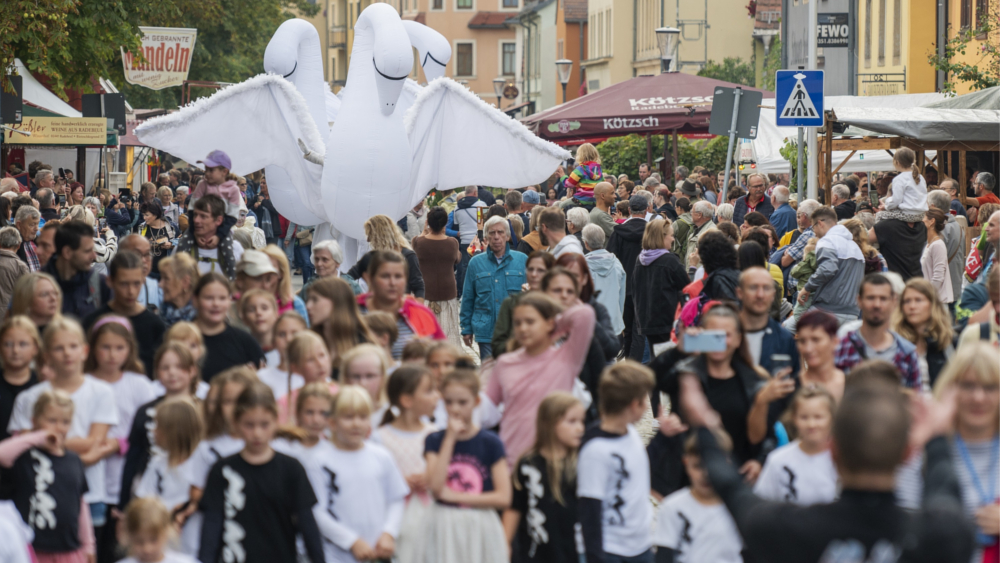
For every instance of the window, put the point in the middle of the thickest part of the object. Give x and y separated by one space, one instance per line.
510 4
437 4
464 59
507 58
966 13
881 32
463 4
897 30
560 49
981 14
868 33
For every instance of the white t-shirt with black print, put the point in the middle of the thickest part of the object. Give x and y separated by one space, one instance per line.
172 486
132 391
361 494
791 475
697 532
614 469
207 453
93 403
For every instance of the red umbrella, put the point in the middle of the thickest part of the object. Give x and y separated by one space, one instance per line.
656 104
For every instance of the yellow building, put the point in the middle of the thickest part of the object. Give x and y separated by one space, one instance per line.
622 36
965 13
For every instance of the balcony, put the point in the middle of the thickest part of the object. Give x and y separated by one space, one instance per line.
338 37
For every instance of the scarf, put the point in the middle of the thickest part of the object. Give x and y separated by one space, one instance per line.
647 257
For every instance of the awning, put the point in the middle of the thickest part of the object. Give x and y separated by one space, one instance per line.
983 99
926 124
34 93
656 104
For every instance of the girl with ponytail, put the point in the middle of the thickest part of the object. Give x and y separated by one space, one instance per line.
907 199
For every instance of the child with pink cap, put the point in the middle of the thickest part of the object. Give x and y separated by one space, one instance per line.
217 165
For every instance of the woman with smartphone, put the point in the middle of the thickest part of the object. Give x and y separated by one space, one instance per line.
158 230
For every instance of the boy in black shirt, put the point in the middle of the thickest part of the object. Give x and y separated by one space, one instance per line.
872 433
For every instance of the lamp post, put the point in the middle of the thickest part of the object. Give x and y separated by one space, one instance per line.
564 67
498 85
667 39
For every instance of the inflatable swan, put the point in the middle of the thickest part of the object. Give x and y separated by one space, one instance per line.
391 141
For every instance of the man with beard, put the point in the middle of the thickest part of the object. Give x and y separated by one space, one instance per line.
874 340
764 335
755 200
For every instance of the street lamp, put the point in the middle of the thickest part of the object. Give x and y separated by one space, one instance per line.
564 67
667 39
498 85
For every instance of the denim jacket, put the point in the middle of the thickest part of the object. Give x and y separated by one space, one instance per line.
487 284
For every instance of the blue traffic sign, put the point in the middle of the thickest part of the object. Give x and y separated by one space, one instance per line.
799 98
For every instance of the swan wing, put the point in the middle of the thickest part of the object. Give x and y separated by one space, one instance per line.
258 123
456 139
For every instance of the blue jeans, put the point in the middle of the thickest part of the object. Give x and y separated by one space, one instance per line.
645 557
485 350
462 266
303 259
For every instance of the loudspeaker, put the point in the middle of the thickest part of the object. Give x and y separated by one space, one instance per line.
11 103
111 106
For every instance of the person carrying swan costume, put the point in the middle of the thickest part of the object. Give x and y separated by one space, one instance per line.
391 143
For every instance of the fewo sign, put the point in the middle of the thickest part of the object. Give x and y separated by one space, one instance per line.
166 57
79 131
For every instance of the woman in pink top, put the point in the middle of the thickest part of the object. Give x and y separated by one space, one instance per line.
524 376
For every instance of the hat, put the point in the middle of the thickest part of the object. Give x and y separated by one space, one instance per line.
255 263
637 203
532 197
217 158
689 189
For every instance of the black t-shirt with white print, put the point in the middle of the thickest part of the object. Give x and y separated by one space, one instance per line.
259 505
47 490
547 531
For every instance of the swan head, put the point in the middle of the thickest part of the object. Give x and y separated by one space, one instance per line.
392 67
282 54
433 49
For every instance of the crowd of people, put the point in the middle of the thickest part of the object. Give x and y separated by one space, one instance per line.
594 369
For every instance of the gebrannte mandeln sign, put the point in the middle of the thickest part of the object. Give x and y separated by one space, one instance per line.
166 57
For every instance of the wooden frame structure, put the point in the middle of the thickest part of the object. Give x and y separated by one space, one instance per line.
946 170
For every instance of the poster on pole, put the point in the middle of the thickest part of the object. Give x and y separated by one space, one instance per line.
166 57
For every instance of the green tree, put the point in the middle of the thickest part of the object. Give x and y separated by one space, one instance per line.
983 72
623 155
772 64
732 69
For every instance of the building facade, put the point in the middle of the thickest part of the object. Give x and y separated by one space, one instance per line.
546 31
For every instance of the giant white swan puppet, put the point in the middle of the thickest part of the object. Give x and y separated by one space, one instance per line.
379 157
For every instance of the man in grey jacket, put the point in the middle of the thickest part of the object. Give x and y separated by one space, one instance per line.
840 267
953 236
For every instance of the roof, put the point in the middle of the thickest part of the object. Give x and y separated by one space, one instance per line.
489 20
420 18
926 124
983 99
575 10
768 15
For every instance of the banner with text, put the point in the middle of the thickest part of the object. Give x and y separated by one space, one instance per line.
166 57
78 131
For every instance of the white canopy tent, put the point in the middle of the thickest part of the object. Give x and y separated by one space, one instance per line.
770 137
926 124
34 93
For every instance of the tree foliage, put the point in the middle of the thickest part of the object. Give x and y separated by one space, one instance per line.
731 69
984 71
772 64
790 151
623 155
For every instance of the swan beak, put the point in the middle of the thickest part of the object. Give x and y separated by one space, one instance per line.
389 89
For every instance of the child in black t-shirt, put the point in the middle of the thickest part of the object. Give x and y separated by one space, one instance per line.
256 501
541 523
46 481
147 529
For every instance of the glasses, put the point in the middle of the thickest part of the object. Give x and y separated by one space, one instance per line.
971 387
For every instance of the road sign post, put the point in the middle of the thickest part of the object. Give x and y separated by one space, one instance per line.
799 103
741 123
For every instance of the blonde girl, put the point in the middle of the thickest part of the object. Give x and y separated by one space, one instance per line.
259 313
361 491
65 350
19 348
803 472
464 526
367 365
177 378
307 357
43 456
545 481
179 429
286 298
188 335
114 360
334 315
148 529
442 357
259 492
276 375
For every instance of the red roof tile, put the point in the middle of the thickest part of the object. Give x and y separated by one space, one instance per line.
575 10
489 20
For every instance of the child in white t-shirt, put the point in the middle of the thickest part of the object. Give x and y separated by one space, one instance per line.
147 530
802 472
613 484
692 524
907 199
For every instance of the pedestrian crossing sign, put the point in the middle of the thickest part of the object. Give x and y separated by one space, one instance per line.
799 98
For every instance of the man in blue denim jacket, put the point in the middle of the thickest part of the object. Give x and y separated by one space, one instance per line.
490 278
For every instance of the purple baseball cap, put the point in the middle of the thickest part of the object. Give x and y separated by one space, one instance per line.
217 158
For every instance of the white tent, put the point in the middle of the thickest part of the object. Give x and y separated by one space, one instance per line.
34 93
770 137
926 124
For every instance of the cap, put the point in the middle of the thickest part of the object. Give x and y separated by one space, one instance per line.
637 203
255 263
217 158
532 197
689 189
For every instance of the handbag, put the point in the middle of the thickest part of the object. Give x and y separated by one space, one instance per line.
305 237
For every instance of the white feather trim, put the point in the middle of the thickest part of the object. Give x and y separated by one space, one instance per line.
516 128
200 107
